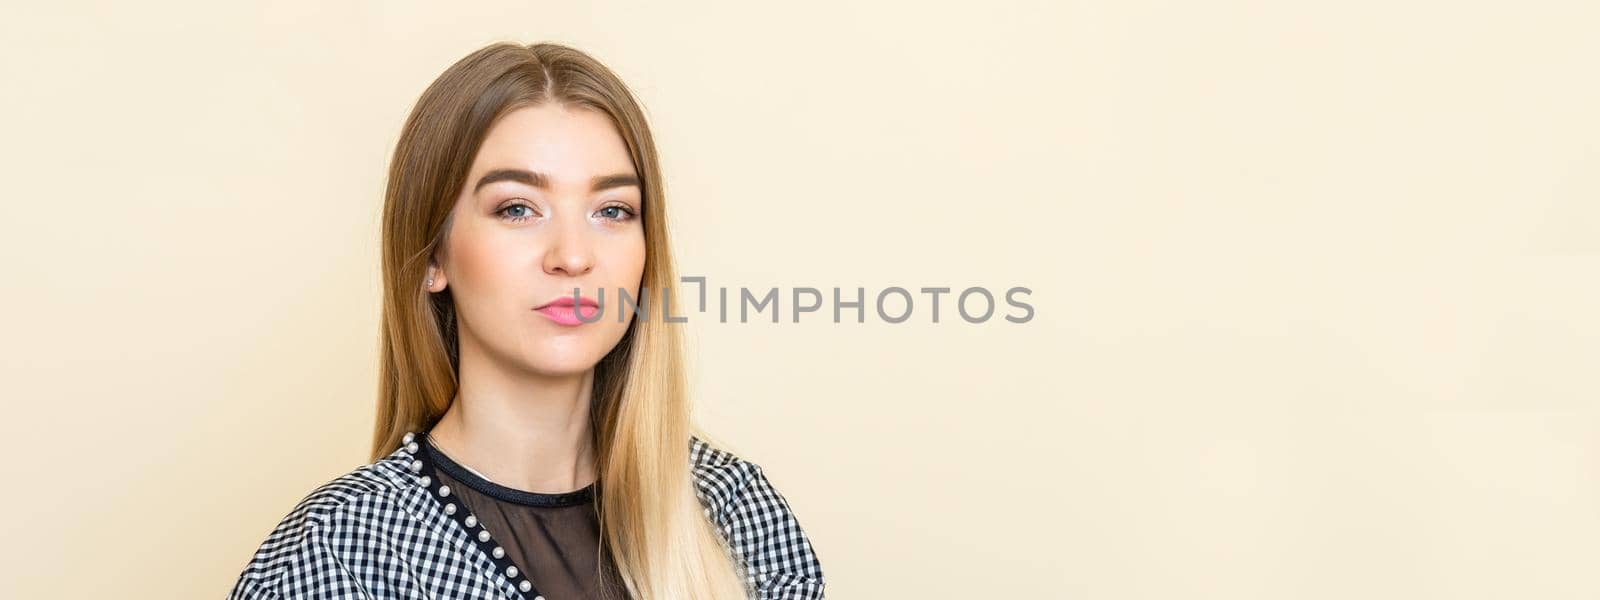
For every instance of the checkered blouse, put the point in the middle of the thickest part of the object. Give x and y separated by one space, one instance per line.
389 529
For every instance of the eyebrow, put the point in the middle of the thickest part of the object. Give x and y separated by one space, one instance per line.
541 181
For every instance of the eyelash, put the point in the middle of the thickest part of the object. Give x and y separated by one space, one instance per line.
628 214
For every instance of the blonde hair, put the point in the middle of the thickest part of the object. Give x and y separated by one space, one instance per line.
658 534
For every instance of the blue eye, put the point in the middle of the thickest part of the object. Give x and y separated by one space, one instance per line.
610 213
515 219
627 214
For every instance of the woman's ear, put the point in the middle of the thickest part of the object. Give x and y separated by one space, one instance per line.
435 280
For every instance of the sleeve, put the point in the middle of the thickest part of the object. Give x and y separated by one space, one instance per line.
296 563
759 525
247 588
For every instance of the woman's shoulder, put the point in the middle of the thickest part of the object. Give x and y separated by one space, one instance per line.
379 480
757 522
298 543
724 479
720 476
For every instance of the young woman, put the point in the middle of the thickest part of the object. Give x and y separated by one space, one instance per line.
531 446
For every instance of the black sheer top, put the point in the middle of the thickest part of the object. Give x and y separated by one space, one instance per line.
553 538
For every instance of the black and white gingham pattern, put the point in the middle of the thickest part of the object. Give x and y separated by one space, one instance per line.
755 519
376 533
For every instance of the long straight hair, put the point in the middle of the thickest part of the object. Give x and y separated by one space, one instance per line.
659 536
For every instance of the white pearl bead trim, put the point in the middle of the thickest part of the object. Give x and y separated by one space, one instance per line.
412 446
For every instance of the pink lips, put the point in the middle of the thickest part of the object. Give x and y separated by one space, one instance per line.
564 312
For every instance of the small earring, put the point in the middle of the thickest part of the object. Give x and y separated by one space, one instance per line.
430 282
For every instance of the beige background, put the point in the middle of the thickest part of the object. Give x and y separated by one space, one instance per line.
1315 283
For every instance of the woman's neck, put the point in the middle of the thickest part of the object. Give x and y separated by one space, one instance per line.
532 435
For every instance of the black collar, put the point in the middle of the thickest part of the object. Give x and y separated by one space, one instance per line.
494 490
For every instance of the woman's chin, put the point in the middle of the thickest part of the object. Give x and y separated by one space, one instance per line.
562 363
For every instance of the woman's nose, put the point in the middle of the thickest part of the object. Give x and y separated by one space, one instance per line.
571 251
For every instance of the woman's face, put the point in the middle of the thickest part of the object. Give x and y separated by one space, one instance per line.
551 203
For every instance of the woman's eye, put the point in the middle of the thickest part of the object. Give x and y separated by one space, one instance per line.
517 213
516 218
616 213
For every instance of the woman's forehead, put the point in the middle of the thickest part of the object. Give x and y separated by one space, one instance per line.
568 146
